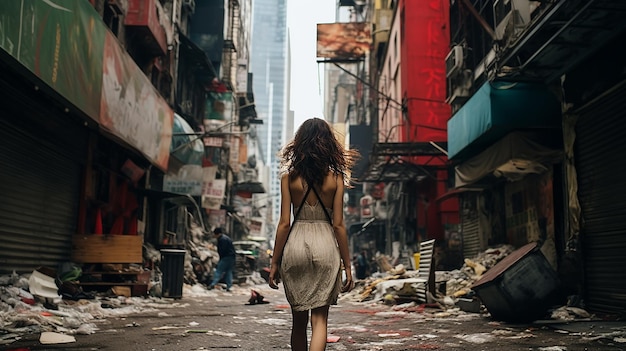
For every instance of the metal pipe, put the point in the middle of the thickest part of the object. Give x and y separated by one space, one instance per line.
558 32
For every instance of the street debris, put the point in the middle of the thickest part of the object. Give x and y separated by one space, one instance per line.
41 309
55 338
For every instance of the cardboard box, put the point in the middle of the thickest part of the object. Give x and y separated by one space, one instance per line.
107 248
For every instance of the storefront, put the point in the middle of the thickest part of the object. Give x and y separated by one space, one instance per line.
41 153
506 149
73 144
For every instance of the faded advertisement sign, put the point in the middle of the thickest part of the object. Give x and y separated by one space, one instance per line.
346 41
131 108
188 180
219 106
61 43
233 156
66 44
213 193
256 226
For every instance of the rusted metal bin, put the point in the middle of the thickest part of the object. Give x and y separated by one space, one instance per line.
520 288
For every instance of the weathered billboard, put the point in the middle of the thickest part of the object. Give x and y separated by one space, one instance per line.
343 41
66 45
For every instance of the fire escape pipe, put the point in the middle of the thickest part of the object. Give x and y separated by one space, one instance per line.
534 31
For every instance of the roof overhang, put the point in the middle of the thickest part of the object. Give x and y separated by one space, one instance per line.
250 187
564 36
388 161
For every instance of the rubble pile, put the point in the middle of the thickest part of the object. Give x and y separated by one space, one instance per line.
397 284
459 281
22 312
453 295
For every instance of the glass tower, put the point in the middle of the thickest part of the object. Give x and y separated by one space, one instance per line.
269 64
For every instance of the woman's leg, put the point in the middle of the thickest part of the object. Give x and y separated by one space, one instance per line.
319 324
299 323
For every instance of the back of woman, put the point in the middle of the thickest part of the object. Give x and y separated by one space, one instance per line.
311 264
309 252
298 187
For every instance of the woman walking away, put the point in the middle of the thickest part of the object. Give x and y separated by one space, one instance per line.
310 252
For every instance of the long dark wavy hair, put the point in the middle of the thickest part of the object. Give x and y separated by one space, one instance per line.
315 151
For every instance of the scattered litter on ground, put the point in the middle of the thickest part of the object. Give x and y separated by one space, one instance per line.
47 338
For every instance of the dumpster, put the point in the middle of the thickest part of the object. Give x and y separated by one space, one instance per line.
173 271
519 288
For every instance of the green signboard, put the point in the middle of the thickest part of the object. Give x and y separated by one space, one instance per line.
66 44
60 41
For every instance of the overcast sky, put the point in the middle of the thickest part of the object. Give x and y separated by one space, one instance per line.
302 17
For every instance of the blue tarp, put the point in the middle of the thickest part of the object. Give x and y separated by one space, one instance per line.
496 109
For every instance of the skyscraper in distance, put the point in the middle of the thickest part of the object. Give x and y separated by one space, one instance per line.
269 64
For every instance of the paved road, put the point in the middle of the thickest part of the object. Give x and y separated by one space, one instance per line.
217 320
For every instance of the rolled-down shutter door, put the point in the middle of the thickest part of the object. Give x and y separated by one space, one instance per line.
470 225
38 201
600 154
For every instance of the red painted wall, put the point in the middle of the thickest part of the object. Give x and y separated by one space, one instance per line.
425 43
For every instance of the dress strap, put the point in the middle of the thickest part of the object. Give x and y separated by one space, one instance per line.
319 199
298 211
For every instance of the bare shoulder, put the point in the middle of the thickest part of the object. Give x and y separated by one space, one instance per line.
331 182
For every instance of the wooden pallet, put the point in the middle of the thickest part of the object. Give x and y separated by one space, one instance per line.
107 248
137 282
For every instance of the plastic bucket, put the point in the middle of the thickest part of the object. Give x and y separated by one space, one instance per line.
416 259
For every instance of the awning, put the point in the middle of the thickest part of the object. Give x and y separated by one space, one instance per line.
496 109
388 162
394 170
250 187
186 146
247 111
197 58
455 192
514 156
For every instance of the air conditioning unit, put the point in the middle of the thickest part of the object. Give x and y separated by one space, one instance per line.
459 86
510 17
454 61
190 5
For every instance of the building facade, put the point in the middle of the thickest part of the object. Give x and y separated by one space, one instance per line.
269 63
405 182
536 89
127 120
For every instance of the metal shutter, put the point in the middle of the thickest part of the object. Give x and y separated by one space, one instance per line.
599 157
38 202
470 225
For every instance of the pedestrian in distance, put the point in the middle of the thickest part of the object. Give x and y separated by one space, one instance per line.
228 257
310 252
361 265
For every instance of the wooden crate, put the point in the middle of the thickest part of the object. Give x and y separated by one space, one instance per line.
136 283
105 248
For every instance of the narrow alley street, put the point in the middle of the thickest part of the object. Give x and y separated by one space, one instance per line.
218 320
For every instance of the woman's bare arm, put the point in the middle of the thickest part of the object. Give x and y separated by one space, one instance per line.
341 235
282 230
